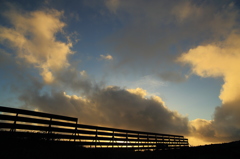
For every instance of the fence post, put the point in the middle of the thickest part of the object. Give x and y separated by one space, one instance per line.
174 142
96 137
14 124
75 132
156 142
127 140
113 140
148 141
138 141
49 129
169 142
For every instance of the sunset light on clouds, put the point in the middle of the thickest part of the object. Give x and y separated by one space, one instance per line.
157 66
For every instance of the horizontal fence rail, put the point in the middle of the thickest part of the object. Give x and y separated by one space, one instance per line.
58 128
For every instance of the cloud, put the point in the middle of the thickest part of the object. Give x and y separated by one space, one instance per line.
65 90
156 33
70 79
151 31
203 129
171 76
220 59
148 81
83 73
34 46
33 35
5 58
106 57
112 106
185 10
139 91
112 5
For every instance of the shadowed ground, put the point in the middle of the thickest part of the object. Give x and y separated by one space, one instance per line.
32 148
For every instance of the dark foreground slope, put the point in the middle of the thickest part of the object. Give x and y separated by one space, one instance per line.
13 148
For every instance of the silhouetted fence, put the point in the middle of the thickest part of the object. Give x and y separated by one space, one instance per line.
58 128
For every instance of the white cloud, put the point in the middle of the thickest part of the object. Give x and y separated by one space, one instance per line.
220 59
106 57
33 36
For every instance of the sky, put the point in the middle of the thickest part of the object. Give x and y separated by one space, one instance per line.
149 65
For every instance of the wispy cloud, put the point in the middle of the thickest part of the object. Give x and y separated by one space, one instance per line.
106 57
148 81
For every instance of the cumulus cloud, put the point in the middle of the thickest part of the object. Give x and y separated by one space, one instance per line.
33 35
220 59
115 107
